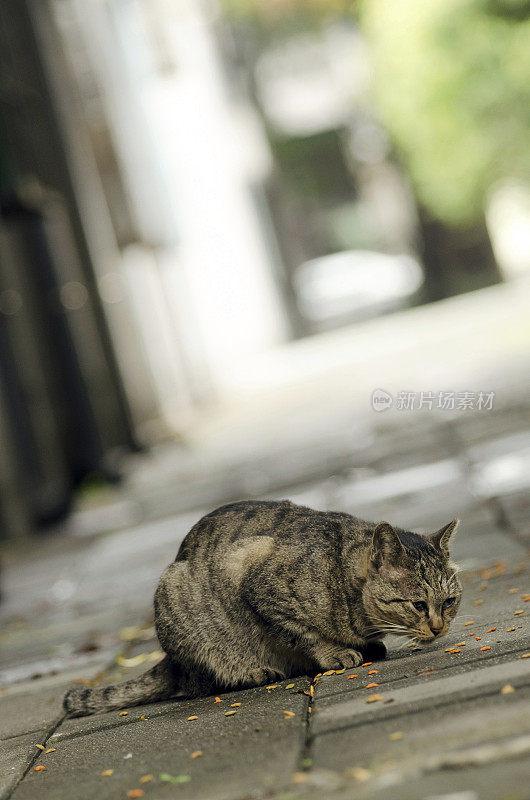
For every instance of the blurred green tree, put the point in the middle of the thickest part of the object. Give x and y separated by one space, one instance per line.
453 88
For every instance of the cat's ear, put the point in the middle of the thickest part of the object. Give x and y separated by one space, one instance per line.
441 538
386 545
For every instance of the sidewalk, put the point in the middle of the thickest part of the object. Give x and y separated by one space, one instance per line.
78 607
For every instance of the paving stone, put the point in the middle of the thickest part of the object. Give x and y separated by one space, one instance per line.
254 751
41 700
516 508
15 756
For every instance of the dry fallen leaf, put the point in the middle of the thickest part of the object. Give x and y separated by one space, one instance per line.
299 777
359 773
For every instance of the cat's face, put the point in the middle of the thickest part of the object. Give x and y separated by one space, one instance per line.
412 588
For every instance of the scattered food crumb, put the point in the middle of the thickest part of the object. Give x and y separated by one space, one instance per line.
274 686
351 676
135 793
146 778
510 629
329 672
469 623
513 591
485 648
107 773
235 705
124 714
218 700
478 602
478 638
396 736
288 714
192 718
40 746
374 698
461 644
521 611
525 655
367 664
39 768
290 686
507 689
196 754
490 630
230 713
50 750
144 719
371 685
373 671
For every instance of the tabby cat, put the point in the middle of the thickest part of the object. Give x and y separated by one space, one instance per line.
262 590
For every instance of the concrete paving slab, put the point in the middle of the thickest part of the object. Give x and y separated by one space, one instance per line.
16 755
340 712
34 705
516 508
248 753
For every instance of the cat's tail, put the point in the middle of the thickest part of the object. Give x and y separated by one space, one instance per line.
158 683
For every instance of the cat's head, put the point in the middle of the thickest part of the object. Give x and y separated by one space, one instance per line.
411 585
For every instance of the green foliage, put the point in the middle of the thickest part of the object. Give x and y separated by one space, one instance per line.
453 88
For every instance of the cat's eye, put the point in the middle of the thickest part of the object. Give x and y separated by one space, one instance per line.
448 603
420 605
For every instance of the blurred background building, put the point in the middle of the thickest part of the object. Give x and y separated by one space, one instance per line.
204 204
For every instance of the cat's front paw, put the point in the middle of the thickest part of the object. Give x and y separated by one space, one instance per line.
329 657
258 677
374 651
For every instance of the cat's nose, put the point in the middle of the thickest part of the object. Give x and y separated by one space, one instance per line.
436 628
